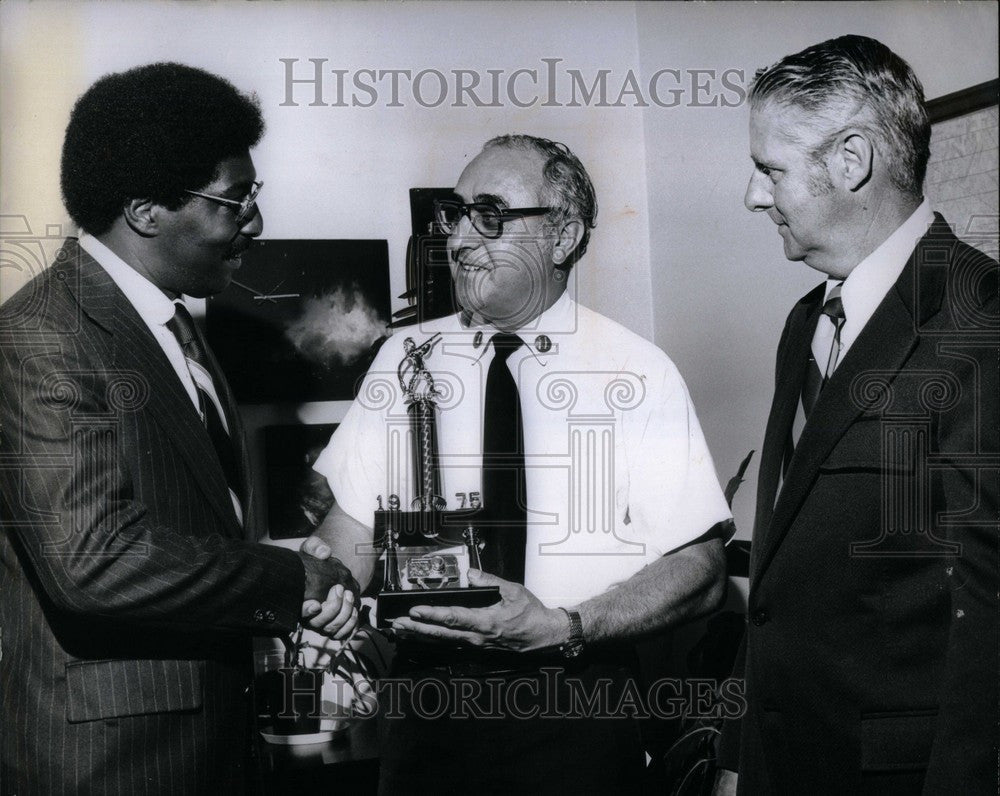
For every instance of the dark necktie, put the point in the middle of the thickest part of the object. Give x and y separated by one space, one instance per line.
816 379
503 467
206 386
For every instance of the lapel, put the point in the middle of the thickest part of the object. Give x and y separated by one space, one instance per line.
884 345
133 348
793 352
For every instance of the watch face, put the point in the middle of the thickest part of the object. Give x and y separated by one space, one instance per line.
302 319
572 649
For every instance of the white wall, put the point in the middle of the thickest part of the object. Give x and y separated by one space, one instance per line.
344 171
721 286
716 288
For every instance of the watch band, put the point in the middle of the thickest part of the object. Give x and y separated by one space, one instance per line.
574 645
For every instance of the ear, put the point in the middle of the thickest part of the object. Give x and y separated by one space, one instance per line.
568 239
855 159
141 215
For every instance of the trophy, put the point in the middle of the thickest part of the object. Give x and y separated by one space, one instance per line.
421 575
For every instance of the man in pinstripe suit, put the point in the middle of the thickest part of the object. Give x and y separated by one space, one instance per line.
129 582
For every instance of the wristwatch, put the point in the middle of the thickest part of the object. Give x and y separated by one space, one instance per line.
574 645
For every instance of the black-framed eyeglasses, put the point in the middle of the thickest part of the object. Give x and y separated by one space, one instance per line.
488 219
244 207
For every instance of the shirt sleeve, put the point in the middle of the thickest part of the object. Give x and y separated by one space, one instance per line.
356 461
674 492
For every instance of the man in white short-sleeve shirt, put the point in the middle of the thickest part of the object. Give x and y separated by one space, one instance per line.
624 512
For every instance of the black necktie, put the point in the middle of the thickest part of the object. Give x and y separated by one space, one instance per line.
816 379
206 382
503 467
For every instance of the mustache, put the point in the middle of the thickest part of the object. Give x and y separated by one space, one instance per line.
237 247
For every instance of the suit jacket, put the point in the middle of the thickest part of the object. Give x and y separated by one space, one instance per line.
128 595
870 653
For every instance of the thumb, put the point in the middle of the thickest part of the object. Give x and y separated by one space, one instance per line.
479 578
316 547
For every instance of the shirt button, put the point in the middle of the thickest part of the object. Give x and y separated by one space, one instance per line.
760 616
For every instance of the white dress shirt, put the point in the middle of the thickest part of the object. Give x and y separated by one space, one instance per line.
617 469
871 279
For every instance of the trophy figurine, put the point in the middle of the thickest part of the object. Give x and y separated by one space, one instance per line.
422 575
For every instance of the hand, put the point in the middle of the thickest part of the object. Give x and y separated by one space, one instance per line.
725 783
519 622
336 617
331 593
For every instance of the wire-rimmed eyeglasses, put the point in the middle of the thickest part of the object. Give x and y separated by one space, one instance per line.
244 208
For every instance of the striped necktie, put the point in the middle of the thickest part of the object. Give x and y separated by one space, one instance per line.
816 379
209 406
503 466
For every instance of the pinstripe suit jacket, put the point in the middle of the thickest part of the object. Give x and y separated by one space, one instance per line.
127 593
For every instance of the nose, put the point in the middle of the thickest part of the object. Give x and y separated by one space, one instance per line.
758 195
463 237
254 225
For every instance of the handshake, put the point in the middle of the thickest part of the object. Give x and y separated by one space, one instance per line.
332 595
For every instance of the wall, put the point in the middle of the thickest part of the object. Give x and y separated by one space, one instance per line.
675 257
720 284
344 172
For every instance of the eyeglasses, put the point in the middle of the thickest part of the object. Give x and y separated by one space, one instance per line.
244 208
488 219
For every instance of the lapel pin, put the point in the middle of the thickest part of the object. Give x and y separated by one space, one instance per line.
477 340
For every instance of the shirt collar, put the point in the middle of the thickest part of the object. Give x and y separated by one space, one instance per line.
149 301
560 318
871 279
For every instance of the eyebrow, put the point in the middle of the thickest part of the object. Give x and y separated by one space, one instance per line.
242 188
491 198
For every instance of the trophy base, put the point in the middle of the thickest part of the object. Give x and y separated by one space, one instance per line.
392 604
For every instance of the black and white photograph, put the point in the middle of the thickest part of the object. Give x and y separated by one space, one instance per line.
297 496
583 397
302 321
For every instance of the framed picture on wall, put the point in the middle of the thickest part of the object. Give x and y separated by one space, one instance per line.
302 319
297 496
962 172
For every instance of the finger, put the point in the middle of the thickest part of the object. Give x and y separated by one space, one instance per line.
477 620
508 588
311 608
348 627
329 609
479 578
407 628
316 547
346 609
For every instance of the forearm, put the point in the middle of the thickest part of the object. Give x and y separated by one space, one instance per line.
674 589
349 541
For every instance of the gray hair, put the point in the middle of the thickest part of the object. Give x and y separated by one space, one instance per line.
568 186
859 77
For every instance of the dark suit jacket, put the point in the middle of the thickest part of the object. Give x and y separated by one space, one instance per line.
127 593
870 655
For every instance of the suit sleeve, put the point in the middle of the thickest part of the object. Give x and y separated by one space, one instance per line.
729 742
81 530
